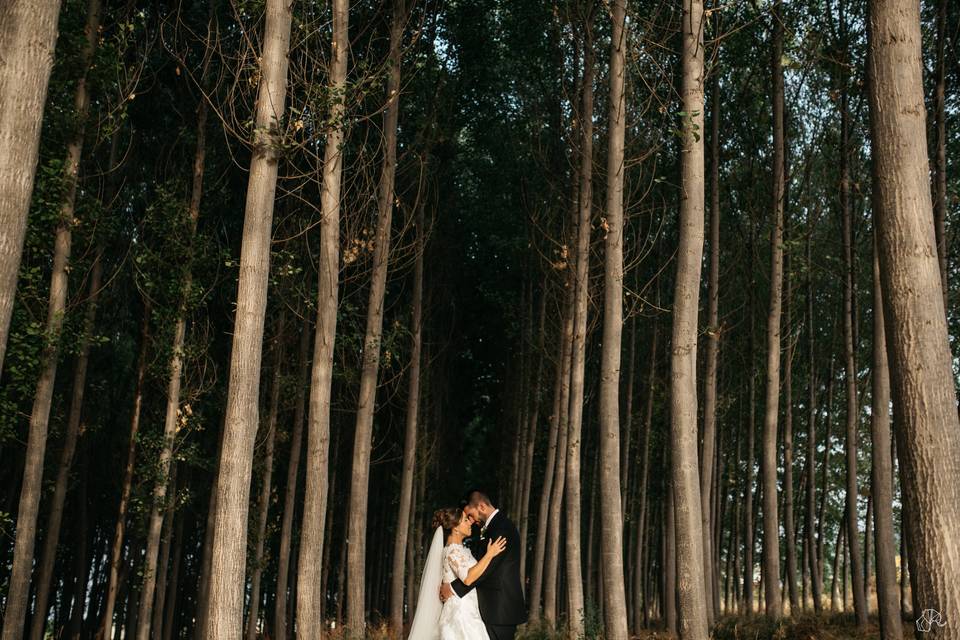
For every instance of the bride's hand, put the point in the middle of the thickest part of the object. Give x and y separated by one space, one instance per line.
496 547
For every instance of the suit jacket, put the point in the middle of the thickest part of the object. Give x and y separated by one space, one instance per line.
498 588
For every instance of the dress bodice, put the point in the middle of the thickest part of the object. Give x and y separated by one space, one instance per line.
457 561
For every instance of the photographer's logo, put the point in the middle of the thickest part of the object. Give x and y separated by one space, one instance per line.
929 618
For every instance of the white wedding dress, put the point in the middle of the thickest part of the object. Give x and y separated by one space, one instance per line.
458 618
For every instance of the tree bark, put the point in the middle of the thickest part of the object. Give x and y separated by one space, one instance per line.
640 594
557 486
789 526
18 592
284 557
581 284
691 575
768 459
816 582
410 436
713 347
543 512
309 595
928 433
366 403
532 436
73 432
611 520
156 623
266 484
28 35
228 562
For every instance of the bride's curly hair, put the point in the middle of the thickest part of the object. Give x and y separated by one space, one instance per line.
446 518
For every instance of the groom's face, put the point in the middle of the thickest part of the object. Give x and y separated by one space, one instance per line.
474 514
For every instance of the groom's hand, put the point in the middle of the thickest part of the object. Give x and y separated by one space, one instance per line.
445 591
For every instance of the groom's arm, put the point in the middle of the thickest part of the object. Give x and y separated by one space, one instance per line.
513 538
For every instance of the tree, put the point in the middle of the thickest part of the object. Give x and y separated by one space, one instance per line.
768 458
224 615
611 520
18 592
691 578
366 403
309 597
28 33
928 433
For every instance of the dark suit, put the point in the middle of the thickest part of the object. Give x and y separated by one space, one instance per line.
499 591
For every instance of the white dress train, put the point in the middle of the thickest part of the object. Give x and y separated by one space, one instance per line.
460 617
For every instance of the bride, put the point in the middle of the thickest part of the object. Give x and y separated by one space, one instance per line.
448 560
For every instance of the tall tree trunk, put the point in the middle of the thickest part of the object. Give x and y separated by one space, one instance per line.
768 460
266 484
940 159
581 283
713 348
26 530
640 595
284 557
173 584
532 437
228 563
611 520
928 433
28 35
410 436
156 624
748 512
366 403
173 414
789 526
537 586
550 588
852 415
45 568
816 582
116 546
691 583
309 594
670 563
838 551
81 558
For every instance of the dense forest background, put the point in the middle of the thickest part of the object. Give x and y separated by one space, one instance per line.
296 274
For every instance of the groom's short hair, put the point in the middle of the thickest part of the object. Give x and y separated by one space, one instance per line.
474 497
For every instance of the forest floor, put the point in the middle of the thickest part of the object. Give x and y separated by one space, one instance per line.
803 627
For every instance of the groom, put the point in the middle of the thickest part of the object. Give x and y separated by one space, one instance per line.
498 589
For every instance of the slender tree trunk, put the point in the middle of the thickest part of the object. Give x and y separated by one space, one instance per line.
867 550
309 594
581 283
284 557
266 484
940 160
748 519
550 588
816 581
116 547
928 432
28 35
789 526
366 403
532 437
156 624
539 561
611 520
410 437
45 569
691 583
837 554
19 586
173 585
225 605
81 558
640 595
768 459
670 564
713 347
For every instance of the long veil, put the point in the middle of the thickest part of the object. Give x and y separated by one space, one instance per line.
426 619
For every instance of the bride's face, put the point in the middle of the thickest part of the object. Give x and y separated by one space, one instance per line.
464 525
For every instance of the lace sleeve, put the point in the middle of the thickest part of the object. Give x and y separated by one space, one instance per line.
459 563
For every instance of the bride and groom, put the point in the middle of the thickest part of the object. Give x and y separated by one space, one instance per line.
480 596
